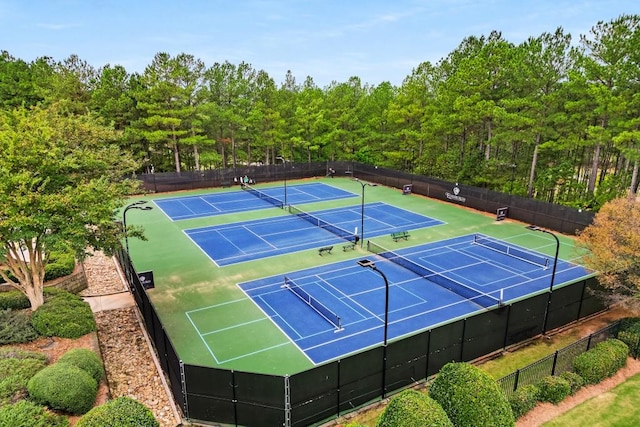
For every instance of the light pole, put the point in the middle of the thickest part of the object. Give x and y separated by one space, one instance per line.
135 205
365 263
284 165
555 260
363 184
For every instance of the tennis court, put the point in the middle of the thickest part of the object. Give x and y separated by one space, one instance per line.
189 207
338 309
250 240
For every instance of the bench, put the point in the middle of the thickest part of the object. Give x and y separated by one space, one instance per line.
400 235
325 250
349 246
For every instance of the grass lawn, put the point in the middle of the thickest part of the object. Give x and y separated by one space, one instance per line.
618 407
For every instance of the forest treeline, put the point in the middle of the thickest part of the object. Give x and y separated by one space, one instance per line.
552 118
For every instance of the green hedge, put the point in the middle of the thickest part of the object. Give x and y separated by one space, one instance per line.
15 373
25 413
524 399
85 359
16 327
470 397
602 361
553 389
59 265
629 333
121 412
63 315
15 300
411 408
575 381
63 387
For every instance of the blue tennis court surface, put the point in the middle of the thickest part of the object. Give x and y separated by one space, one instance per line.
177 208
354 297
250 240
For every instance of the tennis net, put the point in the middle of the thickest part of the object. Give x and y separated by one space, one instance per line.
340 232
478 297
512 251
323 311
264 196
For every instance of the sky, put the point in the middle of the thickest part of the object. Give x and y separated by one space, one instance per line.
329 40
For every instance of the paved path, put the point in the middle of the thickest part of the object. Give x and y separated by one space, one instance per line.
110 302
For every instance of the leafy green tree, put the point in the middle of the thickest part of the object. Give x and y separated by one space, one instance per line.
60 188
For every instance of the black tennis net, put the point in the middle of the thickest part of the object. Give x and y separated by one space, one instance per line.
320 308
512 251
478 297
340 232
264 196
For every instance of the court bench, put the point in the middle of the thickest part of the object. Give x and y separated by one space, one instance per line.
400 235
325 250
349 246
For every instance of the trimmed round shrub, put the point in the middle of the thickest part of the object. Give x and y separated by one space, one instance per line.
121 412
85 359
15 327
575 381
59 265
63 387
15 373
629 333
524 399
64 315
602 361
412 408
25 413
470 397
553 389
15 300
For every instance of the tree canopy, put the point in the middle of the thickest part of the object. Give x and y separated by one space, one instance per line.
60 188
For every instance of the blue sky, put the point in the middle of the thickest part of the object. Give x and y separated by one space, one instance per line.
329 40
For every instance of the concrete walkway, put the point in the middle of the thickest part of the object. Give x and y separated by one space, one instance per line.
110 302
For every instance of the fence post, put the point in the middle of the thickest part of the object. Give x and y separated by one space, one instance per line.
515 381
589 341
555 361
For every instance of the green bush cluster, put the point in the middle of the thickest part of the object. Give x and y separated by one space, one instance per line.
602 361
15 327
524 399
470 397
59 265
553 389
629 333
63 315
25 413
15 300
63 387
16 369
86 360
575 381
121 412
412 408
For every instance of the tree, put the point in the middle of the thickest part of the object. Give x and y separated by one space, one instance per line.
60 188
613 244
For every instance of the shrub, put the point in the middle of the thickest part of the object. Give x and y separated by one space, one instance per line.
86 360
15 373
16 353
15 300
630 334
602 361
412 408
470 397
553 389
524 399
63 387
121 412
15 327
59 265
64 315
575 381
25 413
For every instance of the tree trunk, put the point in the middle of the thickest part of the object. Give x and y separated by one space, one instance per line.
634 180
534 162
591 185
